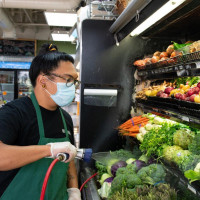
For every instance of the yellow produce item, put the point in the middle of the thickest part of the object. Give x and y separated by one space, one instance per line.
173 92
186 87
197 99
148 93
181 86
154 92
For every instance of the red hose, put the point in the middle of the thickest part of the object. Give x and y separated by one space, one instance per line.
44 186
46 179
87 181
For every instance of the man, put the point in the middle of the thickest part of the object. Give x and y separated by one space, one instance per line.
34 130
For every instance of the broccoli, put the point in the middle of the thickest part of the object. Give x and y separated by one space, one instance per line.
133 180
125 181
152 174
119 183
121 170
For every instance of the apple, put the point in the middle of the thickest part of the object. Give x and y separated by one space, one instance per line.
183 97
168 90
198 85
191 91
196 90
178 95
192 97
164 95
159 93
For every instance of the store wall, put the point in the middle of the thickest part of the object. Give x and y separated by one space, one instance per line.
67 47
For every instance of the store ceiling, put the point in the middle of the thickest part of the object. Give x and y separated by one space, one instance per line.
28 20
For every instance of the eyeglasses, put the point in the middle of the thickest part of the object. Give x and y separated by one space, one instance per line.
69 81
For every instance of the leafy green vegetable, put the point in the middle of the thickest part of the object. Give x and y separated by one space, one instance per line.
192 175
105 189
126 177
190 162
194 147
179 46
168 152
183 137
180 156
104 177
155 139
101 169
152 174
160 192
121 154
186 80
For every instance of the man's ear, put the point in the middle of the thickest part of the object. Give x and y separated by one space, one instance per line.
41 80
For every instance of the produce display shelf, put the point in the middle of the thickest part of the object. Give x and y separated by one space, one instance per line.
169 112
187 69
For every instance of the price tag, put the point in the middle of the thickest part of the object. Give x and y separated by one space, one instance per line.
197 65
181 67
188 67
192 189
184 118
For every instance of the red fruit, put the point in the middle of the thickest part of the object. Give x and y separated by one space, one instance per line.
191 92
183 97
187 94
192 97
198 85
159 93
178 95
164 95
168 90
196 90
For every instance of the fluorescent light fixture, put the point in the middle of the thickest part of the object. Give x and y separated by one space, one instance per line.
160 13
62 36
60 19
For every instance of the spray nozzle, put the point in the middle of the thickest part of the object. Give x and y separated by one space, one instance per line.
82 154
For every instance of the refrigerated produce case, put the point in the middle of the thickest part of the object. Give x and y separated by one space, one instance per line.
14 81
105 65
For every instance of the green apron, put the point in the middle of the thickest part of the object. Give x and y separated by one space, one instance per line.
27 184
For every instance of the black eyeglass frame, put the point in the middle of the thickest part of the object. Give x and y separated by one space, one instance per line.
69 82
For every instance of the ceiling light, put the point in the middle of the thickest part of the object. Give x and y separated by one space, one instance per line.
60 19
62 36
160 13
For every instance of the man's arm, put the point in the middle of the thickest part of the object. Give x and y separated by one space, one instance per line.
72 176
13 157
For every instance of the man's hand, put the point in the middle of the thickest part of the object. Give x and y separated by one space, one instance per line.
63 147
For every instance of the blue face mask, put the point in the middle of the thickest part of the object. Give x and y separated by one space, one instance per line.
64 95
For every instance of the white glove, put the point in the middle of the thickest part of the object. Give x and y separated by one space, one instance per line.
63 147
74 194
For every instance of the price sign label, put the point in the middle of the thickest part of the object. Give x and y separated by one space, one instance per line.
192 189
197 65
184 118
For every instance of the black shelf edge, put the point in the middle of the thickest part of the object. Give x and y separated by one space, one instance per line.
169 112
187 69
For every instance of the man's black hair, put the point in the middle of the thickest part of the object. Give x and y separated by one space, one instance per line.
46 61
